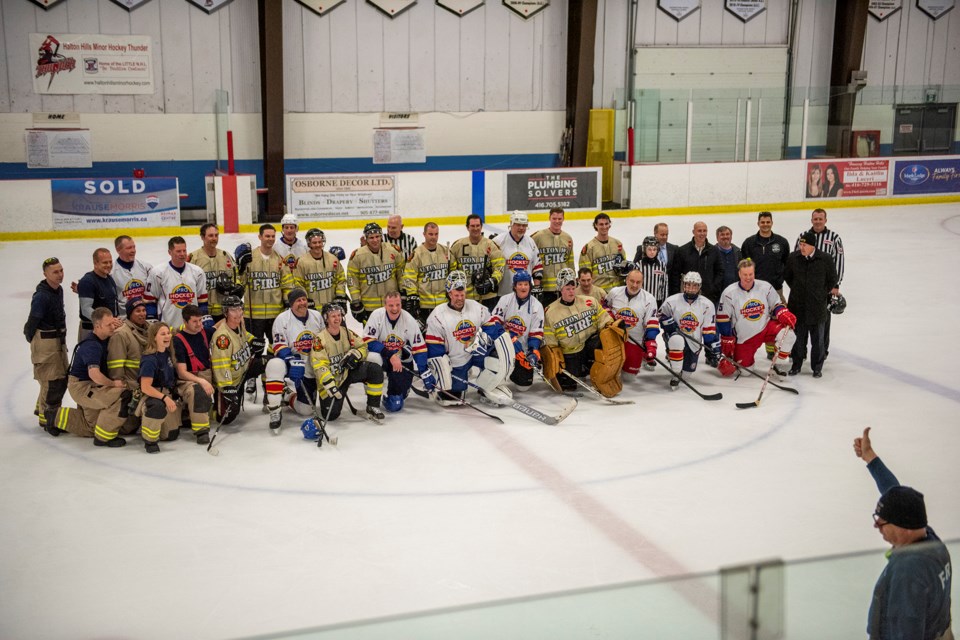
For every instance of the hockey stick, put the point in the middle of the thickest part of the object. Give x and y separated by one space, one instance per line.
569 394
528 410
592 390
679 377
353 410
756 403
740 367
460 401
214 451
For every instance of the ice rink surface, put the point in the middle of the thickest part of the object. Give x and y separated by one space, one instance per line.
442 507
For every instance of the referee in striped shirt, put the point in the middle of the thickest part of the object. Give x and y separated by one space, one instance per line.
396 236
828 242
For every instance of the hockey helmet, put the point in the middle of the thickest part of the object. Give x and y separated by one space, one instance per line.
329 308
242 250
838 304
372 229
309 429
289 218
519 217
650 241
231 302
692 278
338 252
313 233
566 276
522 276
456 279
624 268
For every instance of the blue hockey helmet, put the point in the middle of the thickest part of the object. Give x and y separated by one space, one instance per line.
309 429
522 276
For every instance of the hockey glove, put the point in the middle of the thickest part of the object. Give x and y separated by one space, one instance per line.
669 325
296 369
343 302
352 360
533 358
208 322
332 389
785 317
242 255
483 286
257 345
712 354
412 305
231 397
728 345
536 291
429 380
726 368
650 351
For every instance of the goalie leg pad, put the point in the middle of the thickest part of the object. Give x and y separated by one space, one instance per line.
553 361
608 360
497 366
440 366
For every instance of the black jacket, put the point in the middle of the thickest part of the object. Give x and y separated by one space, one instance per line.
810 281
728 266
46 312
706 263
769 255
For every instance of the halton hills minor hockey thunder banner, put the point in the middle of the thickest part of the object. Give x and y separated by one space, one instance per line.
69 63
114 203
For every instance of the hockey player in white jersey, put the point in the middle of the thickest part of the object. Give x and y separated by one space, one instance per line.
688 319
751 314
394 340
520 316
173 285
457 340
520 252
289 247
129 273
294 331
637 309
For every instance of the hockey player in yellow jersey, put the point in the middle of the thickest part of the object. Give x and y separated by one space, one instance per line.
579 336
374 270
339 360
602 254
320 273
556 252
483 262
236 356
217 266
425 275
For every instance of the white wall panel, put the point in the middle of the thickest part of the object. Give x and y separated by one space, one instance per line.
396 63
422 57
177 85
317 77
710 18
554 68
447 61
497 60
19 21
54 20
521 63
226 57
205 57
343 57
114 20
472 45
244 48
295 23
89 17
951 74
371 24
146 21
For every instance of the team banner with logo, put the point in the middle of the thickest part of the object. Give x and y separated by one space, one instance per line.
544 189
926 176
75 63
847 178
326 196
112 203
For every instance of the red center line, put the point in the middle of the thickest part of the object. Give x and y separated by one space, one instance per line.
695 591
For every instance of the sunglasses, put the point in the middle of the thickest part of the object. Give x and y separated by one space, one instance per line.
50 261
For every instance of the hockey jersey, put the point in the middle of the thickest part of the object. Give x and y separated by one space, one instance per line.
426 275
170 289
217 269
638 312
602 258
518 256
322 278
266 283
450 331
696 319
570 326
230 355
523 320
370 276
556 252
290 253
297 334
124 351
329 350
131 281
474 258
744 314
597 293
387 337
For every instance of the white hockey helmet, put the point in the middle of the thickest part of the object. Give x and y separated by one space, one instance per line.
519 217
693 279
289 218
566 276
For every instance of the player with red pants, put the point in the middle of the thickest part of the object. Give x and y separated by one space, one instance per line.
750 315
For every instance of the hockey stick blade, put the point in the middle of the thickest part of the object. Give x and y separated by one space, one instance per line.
705 396
593 391
542 417
748 405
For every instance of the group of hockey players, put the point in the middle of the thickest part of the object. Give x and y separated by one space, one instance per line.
182 343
